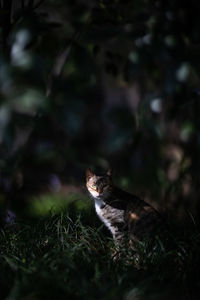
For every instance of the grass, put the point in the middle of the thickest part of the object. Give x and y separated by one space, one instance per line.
57 257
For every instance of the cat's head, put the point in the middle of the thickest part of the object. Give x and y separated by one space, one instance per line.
99 185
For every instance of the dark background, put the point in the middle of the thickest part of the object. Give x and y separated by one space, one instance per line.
99 83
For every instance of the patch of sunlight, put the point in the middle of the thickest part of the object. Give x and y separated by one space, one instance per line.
186 131
55 203
29 101
20 57
156 105
144 40
134 57
182 72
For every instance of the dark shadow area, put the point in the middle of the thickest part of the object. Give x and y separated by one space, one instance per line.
103 84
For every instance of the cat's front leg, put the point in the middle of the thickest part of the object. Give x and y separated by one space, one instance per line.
120 244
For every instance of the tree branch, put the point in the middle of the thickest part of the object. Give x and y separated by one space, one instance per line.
61 59
38 4
59 63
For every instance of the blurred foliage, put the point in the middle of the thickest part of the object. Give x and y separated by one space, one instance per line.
96 83
100 83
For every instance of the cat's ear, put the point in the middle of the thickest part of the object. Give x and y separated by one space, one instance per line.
109 172
89 174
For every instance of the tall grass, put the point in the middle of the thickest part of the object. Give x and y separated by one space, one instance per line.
60 258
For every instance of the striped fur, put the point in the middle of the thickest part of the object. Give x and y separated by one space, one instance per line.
125 215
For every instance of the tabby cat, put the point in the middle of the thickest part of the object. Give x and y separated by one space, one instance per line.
126 216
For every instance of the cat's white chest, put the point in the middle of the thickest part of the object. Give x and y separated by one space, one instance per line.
99 205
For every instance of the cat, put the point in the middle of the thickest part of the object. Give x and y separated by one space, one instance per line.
126 216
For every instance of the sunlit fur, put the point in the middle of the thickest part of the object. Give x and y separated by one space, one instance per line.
124 214
98 186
